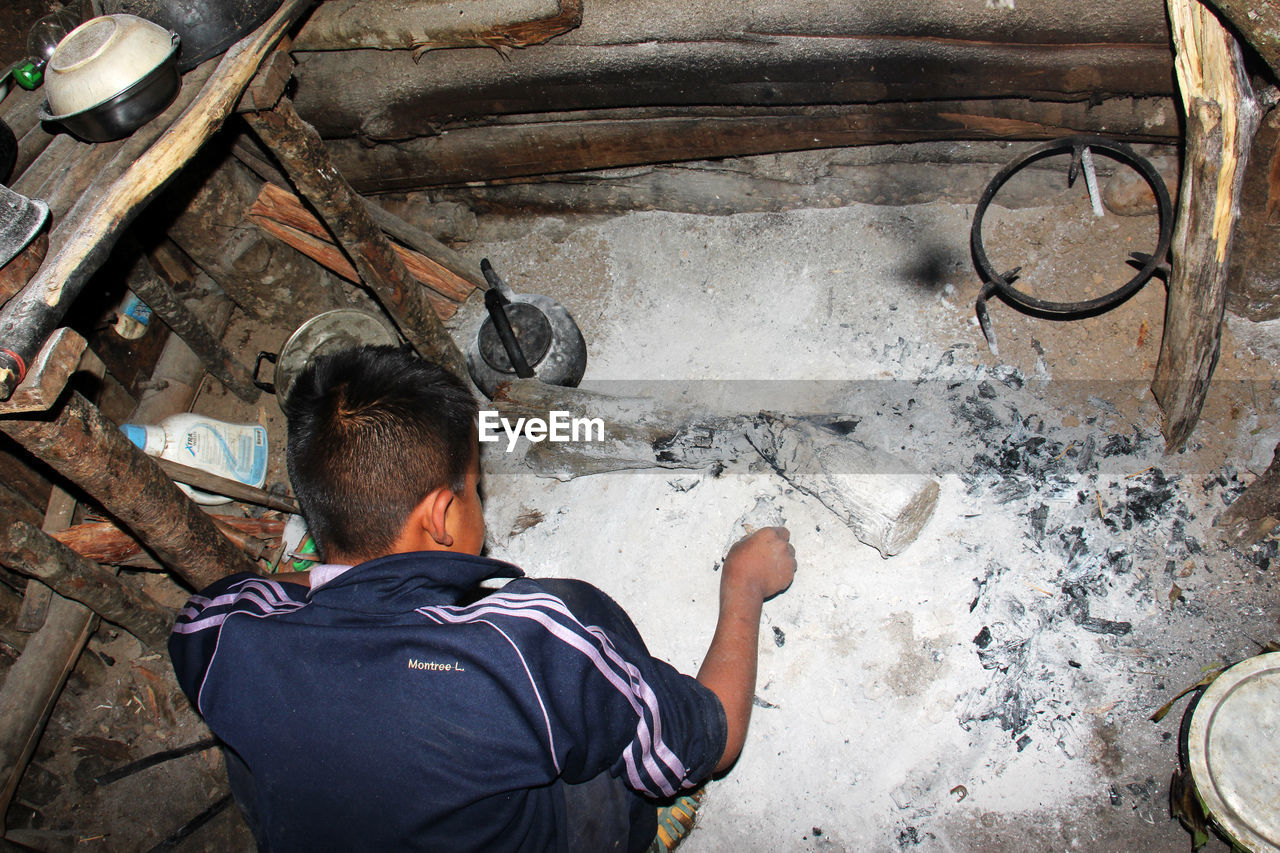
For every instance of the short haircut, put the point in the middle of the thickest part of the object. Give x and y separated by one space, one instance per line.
372 432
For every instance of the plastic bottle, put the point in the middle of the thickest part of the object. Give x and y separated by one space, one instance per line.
234 451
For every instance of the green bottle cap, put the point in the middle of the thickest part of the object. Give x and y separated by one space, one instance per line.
29 75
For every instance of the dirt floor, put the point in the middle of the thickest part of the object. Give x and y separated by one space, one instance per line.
988 688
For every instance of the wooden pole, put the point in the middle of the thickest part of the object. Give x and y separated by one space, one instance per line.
90 451
32 686
1222 116
606 139
27 550
148 285
298 147
1258 21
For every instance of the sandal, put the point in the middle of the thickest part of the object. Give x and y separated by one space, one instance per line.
675 821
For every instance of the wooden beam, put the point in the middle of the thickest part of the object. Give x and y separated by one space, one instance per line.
90 451
27 550
30 317
615 138
1222 115
1253 283
386 95
298 148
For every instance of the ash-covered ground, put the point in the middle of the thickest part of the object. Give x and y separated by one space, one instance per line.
990 686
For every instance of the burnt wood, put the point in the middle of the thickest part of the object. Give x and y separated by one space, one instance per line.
385 95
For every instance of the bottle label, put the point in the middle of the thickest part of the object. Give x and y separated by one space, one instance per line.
239 453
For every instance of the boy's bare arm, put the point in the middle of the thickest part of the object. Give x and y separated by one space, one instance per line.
757 567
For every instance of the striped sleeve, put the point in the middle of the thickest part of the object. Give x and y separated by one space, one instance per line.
198 626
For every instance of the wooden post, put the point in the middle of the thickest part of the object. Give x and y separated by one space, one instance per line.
1253 285
32 686
90 451
147 284
299 149
27 550
1222 115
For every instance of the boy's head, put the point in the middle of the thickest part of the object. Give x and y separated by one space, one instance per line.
383 456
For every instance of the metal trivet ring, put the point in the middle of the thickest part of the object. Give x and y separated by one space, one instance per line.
1002 284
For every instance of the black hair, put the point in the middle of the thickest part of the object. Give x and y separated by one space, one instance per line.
372 432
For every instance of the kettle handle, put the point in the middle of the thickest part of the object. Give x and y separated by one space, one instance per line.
495 300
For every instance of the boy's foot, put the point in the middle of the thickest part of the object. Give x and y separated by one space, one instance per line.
675 821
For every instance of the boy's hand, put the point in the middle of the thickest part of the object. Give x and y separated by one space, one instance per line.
764 562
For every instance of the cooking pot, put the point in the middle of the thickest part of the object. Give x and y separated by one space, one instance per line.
330 332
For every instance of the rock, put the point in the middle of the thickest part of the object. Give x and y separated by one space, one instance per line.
1128 194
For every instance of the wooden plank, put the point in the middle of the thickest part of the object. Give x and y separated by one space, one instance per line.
277 205
616 138
1222 116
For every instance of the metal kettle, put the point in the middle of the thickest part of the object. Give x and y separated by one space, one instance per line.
524 336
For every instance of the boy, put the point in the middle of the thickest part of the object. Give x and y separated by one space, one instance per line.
395 704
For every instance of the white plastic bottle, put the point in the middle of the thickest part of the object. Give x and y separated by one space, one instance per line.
234 451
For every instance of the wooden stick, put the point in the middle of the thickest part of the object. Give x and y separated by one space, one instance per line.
348 24
299 148
32 686
427 259
1222 115
90 451
229 488
156 292
106 542
27 550
62 276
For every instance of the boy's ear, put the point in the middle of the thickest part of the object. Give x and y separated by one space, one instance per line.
426 529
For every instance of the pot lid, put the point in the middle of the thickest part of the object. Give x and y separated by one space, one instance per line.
1233 747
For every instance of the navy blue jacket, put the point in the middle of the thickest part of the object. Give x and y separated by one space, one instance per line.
377 713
